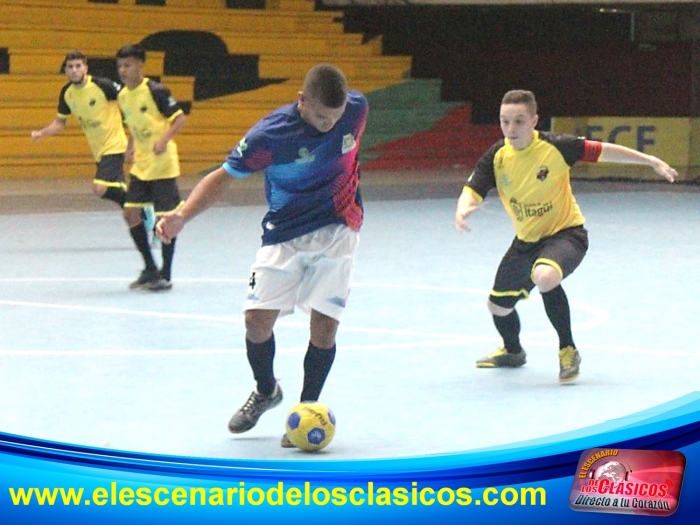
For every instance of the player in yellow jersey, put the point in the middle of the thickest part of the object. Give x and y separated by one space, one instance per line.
153 117
93 102
530 170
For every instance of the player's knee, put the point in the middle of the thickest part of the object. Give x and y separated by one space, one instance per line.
132 216
498 311
545 277
258 326
323 339
99 190
323 330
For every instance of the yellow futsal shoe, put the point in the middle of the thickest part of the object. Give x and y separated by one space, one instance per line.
569 360
501 358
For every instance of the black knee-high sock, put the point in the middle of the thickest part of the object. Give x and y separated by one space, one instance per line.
317 366
509 328
261 357
168 251
115 194
138 233
556 305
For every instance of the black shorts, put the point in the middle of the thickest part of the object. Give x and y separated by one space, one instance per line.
564 251
110 171
163 194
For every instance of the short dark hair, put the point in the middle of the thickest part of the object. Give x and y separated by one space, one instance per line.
326 84
132 50
72 55
521 96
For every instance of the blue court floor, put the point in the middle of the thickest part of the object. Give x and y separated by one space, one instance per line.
85 360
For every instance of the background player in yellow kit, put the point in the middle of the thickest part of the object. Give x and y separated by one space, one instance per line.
93 102
153 118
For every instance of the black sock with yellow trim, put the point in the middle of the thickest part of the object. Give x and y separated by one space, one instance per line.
138 233
168 252
556 305
509 328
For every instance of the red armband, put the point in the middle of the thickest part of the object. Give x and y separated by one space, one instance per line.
591 150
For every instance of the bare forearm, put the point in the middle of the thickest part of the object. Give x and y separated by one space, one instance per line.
55 126
205 194
624 155
175 127
467 204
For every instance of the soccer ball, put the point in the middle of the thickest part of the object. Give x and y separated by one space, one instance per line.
310 426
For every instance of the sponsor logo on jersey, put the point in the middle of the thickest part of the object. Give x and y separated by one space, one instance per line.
349 143
527 211
305 156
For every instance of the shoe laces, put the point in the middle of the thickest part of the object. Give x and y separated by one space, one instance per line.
566 356
251 404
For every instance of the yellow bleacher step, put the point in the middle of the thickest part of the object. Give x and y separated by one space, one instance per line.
64 143
48 87
154 19
82 166
285 92
69 167
299 5
37 61
45 36
23 116
290 5
272 66
237 42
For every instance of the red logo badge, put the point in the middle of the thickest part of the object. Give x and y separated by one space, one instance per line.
620 481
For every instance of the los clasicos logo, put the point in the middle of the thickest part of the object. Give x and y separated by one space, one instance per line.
626 481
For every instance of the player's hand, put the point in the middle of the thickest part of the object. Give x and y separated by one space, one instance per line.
461 218
466 205
169 226
666 171
160 147
36 135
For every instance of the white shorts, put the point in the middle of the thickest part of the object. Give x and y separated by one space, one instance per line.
312 271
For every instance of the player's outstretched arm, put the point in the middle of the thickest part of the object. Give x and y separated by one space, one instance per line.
624 155
54 127
204 194
466 205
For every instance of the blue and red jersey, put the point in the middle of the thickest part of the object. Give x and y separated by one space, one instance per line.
312 179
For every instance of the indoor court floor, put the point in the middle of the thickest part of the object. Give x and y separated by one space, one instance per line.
87 361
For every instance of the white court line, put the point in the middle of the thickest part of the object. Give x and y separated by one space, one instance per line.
231 351
597 317
298 350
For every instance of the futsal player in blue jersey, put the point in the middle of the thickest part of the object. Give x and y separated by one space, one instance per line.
308 151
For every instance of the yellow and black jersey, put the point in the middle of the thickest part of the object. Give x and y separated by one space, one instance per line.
95 106
148 110
534 183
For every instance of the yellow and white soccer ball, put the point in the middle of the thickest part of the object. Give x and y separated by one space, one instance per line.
310 426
